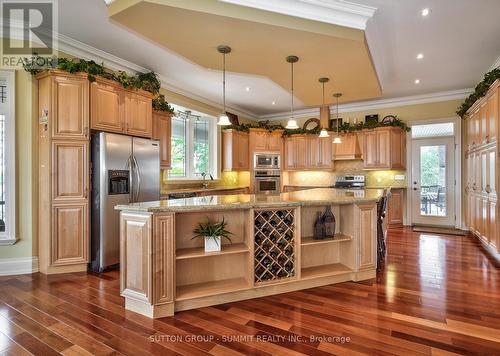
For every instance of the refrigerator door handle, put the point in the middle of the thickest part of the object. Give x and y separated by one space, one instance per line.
138 175
130 179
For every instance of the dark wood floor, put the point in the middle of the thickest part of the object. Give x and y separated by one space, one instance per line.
438 295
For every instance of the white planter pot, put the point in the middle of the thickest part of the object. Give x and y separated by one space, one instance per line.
212 244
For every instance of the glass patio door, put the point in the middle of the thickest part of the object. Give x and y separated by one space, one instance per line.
433 184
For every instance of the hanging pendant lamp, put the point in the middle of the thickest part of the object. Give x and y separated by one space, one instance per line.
337 137
292 123
223 118
323 132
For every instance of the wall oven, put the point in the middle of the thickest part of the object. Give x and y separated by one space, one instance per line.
267 182
267 161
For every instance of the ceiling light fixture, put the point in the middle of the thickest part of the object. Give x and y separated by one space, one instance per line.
323 80
337 138
273 103
223 118
425 12
292 123
420 56
247 89
417 81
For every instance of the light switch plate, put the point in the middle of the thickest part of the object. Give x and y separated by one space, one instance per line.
399 177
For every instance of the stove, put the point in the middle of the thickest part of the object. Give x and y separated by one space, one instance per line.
350 182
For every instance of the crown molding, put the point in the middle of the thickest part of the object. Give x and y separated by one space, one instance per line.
336 12
379 104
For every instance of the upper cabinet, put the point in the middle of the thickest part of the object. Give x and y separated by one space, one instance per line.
162 131
235 151
348 149
384 148
114 109
263 140
305 152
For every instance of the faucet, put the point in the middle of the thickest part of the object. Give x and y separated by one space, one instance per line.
204 175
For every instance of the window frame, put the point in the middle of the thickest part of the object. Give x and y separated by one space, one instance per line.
213 135
9 237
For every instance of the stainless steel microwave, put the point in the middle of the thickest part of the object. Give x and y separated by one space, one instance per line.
267 161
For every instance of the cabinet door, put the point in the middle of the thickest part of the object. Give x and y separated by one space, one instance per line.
138 115
302 154
325 153
70 107
274 142
259 141
395 207
69 238
476 128
370 151
492 222
70 167
313 152
398 149
243 154
493 116
163 132
290 153
483 125
366 232
106 108
384 149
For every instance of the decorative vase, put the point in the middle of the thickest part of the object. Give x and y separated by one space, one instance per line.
319 228
329 222
212 244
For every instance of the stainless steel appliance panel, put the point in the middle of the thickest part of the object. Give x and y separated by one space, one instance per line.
267 161
146 172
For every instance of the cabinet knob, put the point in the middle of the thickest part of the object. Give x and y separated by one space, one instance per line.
488 189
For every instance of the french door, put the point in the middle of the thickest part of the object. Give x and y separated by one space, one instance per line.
433 181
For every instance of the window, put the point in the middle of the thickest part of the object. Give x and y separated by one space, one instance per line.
433 130
194 149
7 159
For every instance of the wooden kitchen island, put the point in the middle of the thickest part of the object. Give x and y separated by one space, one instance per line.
163 270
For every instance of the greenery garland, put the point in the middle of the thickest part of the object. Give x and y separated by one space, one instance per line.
141 81
344 128
480 91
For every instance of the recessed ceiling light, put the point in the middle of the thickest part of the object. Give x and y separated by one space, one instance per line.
273 103
247 88
420 56
425 12
417 81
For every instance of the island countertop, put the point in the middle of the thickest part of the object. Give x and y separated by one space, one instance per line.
248 201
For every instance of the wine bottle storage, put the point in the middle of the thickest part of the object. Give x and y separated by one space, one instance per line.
274 245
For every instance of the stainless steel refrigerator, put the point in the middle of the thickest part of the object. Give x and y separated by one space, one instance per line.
124 170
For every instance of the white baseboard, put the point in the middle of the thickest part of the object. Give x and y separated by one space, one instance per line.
22 265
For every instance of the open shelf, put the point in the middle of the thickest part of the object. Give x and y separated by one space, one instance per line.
206 289
197 252
324 270
338 238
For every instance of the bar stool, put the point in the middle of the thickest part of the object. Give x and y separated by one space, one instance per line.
381 213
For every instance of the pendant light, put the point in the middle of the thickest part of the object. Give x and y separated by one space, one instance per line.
292 123
223 118
337 137
323 132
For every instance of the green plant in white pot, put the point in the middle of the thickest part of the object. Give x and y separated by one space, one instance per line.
213 232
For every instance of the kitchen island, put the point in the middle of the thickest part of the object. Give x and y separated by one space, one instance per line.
164 270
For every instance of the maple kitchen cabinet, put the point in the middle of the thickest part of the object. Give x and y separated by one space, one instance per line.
307 152
63 172
115 109
235 150
481 169
261 140
162 131
384 148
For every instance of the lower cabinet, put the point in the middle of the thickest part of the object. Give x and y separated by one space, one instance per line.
70 237
395 207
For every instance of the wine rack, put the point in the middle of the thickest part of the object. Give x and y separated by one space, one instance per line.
274 245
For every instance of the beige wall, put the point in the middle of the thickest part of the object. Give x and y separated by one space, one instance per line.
427 111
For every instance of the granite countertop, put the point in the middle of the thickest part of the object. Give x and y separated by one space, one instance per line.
201 189
248 201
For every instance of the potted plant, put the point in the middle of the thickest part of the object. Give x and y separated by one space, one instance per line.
212 232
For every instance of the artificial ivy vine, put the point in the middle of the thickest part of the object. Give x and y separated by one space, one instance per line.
344 128
140 81
480 91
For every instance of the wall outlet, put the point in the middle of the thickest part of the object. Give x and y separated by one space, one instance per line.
399 177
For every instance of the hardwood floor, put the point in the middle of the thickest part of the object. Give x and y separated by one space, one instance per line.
437 295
